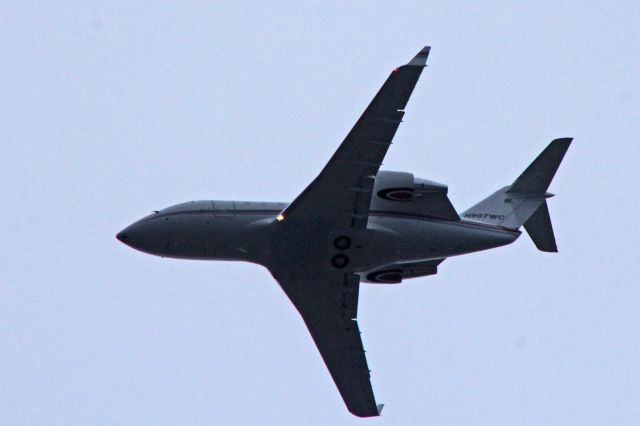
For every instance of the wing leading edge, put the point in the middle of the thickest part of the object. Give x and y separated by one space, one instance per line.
342 191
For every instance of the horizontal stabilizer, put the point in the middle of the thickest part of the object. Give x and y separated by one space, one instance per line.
539 228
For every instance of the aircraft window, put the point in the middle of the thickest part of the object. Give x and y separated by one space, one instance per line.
224 205
259 206
245 205
189 206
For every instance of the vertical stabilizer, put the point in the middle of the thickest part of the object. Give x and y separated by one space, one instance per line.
524 201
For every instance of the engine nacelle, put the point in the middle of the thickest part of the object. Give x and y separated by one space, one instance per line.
401 192
394 274
403 186
385 276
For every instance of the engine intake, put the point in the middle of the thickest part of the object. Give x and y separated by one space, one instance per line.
392 276
401 192
396 194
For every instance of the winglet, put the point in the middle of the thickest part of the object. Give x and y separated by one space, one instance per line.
421 58
380 407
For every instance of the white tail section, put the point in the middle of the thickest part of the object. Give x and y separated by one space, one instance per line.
503 208
524 201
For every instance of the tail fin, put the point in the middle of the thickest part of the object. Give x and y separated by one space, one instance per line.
524 202
537 177
539 228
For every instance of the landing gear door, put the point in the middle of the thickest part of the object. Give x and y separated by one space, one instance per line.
223 209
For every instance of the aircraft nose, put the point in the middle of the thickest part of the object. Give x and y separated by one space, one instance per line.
147 235
122 237
125 236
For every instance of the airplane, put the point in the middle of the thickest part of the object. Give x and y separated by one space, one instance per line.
355 223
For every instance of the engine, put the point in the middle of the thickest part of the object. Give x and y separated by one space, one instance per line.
394 274
401 192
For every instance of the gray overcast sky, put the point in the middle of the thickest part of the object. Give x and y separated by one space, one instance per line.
110 111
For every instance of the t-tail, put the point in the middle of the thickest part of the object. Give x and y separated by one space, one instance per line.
525 201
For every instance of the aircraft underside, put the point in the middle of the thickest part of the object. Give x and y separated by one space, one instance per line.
355 223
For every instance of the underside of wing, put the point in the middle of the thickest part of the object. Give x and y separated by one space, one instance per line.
324 292
342 191
329 308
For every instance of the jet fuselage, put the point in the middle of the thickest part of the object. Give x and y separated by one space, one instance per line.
249 231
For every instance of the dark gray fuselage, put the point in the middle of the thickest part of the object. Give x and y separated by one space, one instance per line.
249 231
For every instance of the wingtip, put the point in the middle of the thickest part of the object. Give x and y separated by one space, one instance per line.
561 143
562 140
421 58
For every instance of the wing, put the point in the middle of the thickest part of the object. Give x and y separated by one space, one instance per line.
347 179
329 308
